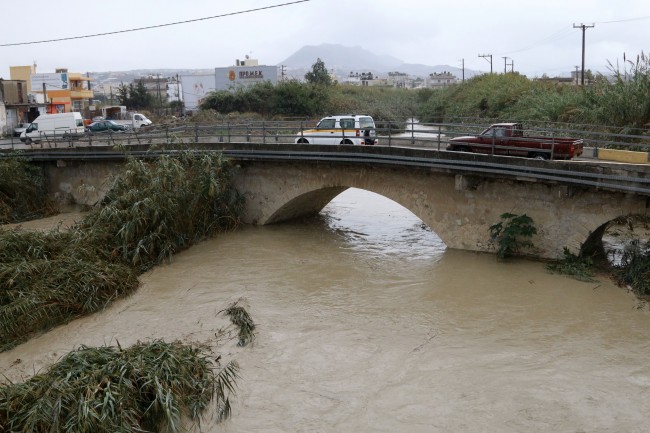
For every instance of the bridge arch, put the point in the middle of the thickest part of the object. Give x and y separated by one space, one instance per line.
458 208
458 205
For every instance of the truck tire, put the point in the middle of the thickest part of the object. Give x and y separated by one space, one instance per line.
542 156
302 141
28 140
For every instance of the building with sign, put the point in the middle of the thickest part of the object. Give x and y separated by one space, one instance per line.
57 92
243 74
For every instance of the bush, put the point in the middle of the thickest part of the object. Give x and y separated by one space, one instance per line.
512 234
147 387
23 195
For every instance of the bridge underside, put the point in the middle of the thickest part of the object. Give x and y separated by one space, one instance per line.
459 208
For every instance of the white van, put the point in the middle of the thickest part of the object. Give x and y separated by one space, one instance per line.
53 126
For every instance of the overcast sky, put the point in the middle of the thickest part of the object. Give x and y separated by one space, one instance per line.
538 36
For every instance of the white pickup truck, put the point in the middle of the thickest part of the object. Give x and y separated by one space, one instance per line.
133 120
119 115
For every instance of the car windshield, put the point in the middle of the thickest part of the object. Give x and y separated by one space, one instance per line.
366 122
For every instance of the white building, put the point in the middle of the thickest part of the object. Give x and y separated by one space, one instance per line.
440 79
244 73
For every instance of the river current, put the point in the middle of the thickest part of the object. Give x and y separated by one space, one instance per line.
368 323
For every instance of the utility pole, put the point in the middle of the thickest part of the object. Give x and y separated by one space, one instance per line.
512 66
485 56
584 28
463 68
577 74
505 64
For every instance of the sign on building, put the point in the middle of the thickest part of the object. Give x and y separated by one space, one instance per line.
244 76
55 81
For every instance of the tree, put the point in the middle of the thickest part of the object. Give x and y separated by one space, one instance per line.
134 97
319 74
123 94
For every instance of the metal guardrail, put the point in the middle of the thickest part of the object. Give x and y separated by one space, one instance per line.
389 133
564 175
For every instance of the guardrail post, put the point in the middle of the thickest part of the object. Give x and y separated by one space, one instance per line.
412 132
196 132
552 145
167 134
494 136
439 132
390 136
248 133
263 132
228 129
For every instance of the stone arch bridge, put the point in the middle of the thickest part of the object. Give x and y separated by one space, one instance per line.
459 196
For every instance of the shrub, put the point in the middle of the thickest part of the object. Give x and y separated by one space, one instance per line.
512 234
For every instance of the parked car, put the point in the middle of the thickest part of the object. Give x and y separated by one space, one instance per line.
342 129
20 129
105 126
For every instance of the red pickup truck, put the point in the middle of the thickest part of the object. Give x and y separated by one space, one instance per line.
509 139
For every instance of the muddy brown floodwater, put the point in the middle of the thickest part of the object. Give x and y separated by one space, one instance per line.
367 323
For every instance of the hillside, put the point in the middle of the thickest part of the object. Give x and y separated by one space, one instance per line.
344 59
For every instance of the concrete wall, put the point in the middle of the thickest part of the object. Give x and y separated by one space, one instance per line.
459 208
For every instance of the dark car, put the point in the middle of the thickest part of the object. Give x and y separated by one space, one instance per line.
105 126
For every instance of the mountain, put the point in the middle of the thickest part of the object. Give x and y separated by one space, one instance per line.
343 60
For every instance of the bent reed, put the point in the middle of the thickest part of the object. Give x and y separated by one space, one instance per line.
152 211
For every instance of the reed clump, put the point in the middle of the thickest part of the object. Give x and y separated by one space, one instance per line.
23 194
147 387
153 210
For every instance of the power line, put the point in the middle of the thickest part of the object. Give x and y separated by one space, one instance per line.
560 34
154 26
624 20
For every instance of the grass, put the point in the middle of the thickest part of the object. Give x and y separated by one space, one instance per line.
23 195
153 211
575 266
634 269
240 318
147 387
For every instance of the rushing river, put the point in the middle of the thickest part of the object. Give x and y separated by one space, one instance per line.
367 323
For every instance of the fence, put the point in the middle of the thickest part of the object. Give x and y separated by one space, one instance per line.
389 133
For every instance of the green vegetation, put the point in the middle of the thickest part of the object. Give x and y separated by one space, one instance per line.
512 234
23 195
147 387
634 268
135 96
153 211
240 317
621 106
578 267
318 74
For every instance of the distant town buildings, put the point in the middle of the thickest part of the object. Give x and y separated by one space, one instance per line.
27 94
243 73
441 79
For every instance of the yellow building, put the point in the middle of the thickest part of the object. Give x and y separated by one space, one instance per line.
70 92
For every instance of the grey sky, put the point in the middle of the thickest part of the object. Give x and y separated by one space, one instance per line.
538 36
